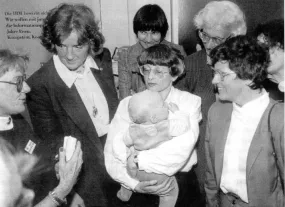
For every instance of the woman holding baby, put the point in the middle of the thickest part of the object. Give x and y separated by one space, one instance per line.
160 66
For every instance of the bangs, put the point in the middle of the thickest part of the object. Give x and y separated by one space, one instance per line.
158 56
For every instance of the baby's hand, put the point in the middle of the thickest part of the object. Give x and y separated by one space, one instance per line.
173 107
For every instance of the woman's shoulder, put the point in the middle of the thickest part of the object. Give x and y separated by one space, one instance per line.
185 95
135 49
130 53
40 75
220 108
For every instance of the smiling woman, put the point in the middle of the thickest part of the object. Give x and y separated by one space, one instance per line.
13 87
150 26
244 141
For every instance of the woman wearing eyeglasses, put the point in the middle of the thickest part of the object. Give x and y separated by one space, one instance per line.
18 133
216 22
159 68
150 26
244 141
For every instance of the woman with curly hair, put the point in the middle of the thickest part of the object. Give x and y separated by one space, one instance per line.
73 94
245 130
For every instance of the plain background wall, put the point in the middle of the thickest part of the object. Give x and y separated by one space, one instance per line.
256 11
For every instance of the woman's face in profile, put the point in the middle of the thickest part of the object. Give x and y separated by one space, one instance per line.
70 53
13 89
149 38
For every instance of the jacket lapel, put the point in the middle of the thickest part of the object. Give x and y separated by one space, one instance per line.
71 102
256 143
106 85
220 143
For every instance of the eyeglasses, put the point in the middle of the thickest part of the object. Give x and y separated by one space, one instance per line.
158 73
206 38
19 82
222 75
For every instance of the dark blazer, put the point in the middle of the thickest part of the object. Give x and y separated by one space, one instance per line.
57 111
198 80
264 186
19 136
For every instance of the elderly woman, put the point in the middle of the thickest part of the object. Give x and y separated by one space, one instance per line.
74 94
150 26
17 132
245 130
271 34
216 22
160 67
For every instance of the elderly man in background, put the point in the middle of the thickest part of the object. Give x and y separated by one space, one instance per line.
216 22
271 34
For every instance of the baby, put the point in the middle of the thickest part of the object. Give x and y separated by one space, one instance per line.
154 122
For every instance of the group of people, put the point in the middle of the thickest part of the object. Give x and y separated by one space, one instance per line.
200 130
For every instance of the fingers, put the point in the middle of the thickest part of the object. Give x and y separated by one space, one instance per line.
150 183
165 187
61 156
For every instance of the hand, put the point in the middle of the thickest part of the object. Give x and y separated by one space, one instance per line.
131 162
68 171
151 187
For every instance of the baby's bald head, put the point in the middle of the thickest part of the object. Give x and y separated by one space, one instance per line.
141 104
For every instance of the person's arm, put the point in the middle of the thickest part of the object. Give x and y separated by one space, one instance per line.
125 75
43 117
211 187
276 127
178 121
115 167
173 155
68 173
119 147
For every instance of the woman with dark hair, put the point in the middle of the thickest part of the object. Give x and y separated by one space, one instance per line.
150 26
73 94
245 131
160 66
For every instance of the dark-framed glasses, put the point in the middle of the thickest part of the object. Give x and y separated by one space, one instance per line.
19 82
222 75
206 37
157 72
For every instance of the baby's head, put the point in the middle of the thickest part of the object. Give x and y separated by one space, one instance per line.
147 107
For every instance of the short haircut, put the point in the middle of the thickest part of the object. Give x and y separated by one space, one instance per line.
12 61
150 17
64 19
273 32
222 15
163 55
246 58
